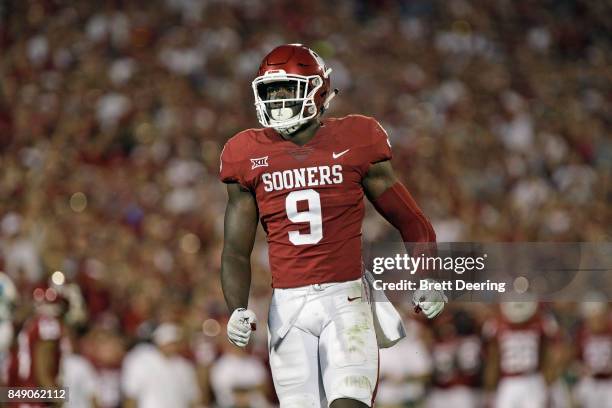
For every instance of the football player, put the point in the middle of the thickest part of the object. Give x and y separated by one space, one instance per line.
520 341
304 178
35 361
594 349
457 355
8 298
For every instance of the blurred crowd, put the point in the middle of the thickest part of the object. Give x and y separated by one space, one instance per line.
113 115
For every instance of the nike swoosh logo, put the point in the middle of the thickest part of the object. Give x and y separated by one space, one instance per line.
336 155
350 299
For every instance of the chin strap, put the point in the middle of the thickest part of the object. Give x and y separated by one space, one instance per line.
289 130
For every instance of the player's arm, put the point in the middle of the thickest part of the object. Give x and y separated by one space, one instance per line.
554 352
491 365
395 203
44 350
552 360
239 236
240 227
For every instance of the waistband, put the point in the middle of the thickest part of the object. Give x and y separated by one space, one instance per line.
316 286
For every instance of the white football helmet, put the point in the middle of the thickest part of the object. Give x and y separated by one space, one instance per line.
519 312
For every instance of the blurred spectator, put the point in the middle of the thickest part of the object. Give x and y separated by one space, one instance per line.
80 377
20 251
403 381
162 377
106 349
238 379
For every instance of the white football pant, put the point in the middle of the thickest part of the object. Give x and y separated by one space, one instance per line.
525 391
594 393
322 345
454 397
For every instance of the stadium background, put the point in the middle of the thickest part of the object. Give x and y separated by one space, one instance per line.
113 114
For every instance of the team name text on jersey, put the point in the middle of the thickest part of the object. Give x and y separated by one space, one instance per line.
302 177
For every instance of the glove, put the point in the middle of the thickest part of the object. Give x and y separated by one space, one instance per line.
240 325
431 302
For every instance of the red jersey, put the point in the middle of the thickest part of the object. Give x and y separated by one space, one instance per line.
39 328
444 363
310 197
521 345
457 361
595 349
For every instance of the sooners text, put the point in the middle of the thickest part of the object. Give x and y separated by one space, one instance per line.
302 177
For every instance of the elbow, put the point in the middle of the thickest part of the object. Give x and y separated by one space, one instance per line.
230 255
418 231
431 233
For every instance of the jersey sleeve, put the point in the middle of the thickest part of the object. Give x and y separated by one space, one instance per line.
230 166
380 147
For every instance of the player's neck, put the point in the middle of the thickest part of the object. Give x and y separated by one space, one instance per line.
304 135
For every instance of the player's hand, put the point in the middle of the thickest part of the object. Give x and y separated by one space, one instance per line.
431 302
240 325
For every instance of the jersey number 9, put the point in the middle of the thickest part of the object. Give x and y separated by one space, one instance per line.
312 216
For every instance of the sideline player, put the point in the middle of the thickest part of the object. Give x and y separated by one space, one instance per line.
519 344
456 355
304 177
35 361
8 298
594 349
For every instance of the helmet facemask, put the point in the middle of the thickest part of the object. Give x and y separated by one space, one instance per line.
284 101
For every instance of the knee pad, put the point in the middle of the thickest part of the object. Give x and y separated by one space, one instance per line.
300 401
358 387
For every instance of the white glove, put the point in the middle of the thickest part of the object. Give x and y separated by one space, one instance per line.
240 325
431 302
